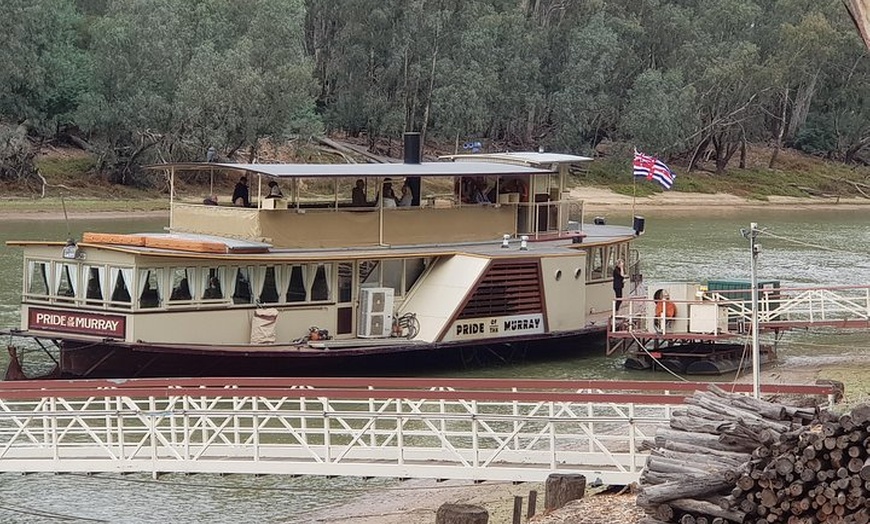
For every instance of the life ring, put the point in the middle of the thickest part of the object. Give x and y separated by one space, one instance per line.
669 308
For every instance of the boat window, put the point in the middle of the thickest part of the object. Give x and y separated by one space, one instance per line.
242 286
149 284
369 273
66 280
213 278
268 285
94 287
596 264
296 287
320 285
119 284
414 267
37 274
180 284
393 271
345 282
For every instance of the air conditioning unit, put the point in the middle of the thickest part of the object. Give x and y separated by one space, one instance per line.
376 312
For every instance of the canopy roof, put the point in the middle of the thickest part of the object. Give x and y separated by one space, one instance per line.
530 159
425 169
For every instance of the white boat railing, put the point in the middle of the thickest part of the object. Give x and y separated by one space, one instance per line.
730 312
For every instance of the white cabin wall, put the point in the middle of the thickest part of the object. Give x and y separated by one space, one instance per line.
224 327
564 281
599 297
441 291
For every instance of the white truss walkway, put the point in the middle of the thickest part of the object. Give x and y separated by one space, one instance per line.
422 428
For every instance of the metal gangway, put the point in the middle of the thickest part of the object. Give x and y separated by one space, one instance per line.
518 430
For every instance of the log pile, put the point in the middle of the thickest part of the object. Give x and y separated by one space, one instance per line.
730 458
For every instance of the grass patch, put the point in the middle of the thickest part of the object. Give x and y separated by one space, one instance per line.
63 168
83 205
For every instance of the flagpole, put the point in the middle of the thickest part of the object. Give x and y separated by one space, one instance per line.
633 193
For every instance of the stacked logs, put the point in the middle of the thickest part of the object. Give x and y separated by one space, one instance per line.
731 458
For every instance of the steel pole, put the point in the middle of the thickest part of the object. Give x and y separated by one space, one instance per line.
756 350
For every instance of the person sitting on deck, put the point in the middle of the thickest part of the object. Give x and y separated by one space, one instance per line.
213 291
407 195
388 196
478 196
274 190
358 195
665 309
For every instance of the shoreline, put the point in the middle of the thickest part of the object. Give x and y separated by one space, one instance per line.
594 200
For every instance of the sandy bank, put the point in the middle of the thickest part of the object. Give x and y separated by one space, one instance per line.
604 199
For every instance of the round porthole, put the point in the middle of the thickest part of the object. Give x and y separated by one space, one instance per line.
577 273
558 274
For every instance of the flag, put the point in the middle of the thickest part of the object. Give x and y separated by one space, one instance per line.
652 168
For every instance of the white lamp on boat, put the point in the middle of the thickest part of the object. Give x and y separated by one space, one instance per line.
524 243
505 241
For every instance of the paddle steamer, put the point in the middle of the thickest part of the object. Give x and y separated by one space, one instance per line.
490 253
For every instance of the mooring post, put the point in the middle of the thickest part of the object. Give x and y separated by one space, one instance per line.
461 514
562 488
518 509
533 502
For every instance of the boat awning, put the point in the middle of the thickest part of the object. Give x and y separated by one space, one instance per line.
425 169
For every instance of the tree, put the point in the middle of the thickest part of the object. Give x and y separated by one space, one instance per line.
44 72
175 78
661 112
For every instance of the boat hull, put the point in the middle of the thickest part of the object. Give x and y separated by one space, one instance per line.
106 360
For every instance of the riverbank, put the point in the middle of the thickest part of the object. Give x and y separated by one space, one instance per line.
595 200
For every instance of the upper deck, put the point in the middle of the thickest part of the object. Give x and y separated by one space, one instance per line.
452 203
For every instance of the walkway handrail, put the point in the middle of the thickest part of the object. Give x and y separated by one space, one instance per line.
411 388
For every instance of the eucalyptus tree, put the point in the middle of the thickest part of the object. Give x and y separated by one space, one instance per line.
723 63
600 67
661 112
175 77
45 72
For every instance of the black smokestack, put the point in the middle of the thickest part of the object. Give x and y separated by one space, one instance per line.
412 148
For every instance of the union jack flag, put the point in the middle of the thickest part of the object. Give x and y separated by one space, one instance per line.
652 168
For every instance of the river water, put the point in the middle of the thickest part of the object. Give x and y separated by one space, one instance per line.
799 247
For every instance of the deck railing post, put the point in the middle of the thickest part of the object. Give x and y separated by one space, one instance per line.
119 425
475 444
516 413
327 455
152 434
52 405
400 441
632 437
552 424
373 436
107 421
255 427
185 423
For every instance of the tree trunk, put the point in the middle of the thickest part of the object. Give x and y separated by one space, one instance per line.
781 132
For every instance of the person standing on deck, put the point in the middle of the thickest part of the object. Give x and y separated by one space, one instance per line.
618 281
241 196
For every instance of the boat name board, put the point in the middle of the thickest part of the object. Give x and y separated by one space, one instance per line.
76 322
507 326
